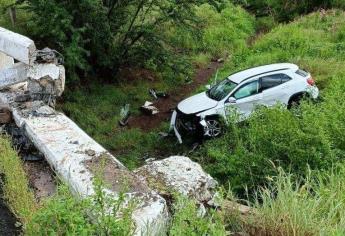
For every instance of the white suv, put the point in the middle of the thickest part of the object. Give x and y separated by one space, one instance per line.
264 85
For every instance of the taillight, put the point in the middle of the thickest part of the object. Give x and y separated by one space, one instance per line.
310 81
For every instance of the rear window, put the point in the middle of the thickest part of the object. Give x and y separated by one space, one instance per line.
302 73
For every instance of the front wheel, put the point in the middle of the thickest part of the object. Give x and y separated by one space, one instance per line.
213 128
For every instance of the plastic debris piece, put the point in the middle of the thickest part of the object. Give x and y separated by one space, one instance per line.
124 115
149 109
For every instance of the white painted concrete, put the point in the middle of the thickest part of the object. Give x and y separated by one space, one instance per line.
17 46
13 75
66 148
5 61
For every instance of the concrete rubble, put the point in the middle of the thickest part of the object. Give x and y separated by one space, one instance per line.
179 174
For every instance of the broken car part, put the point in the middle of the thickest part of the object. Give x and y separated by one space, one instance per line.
124 115
149 109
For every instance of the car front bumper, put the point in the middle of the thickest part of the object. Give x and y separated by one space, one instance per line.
173 126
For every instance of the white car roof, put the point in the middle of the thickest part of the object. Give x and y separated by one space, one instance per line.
245 74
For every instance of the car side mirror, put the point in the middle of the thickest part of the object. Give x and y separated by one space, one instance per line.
208 86
232 100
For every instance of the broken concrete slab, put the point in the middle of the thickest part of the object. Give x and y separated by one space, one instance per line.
55 137
17 46
13 75
46 78
42 78
5 61
180 174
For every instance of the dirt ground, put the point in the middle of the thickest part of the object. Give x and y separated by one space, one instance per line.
166 105
41 178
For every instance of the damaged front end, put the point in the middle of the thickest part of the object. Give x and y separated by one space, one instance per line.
185 124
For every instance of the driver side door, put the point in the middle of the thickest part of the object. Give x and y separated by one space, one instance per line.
247 97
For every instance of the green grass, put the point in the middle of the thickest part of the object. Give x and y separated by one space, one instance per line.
314 206
15 186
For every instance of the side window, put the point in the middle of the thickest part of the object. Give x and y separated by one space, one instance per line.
246 90
271 81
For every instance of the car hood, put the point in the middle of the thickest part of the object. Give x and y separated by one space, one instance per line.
197 103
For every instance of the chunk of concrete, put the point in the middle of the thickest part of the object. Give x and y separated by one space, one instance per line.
13 75
180 174
75 157
17 46
47 79
5 61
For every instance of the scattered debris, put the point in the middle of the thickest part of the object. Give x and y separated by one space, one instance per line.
149 109
47 55
163 134
158 94
220 60
153 93
124 115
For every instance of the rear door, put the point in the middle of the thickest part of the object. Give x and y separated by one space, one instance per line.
247 97
274 89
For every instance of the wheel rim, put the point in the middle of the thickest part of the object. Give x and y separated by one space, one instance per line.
213 128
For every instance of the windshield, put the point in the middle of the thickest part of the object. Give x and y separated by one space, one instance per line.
221 90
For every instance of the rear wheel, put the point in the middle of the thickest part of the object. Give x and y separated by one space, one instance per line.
214 128
295 100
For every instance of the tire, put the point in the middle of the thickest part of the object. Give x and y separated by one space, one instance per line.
295 100
214 127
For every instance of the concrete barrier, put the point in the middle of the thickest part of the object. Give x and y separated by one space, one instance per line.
17 46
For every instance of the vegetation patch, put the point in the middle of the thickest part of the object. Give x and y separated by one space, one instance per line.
15 184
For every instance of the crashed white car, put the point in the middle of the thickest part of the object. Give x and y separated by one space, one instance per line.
267 85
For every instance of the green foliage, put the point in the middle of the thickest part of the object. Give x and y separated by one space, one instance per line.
103 35
63 214
314 206
15 184
312 136
187 220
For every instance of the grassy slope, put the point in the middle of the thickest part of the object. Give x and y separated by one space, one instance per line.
16 190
